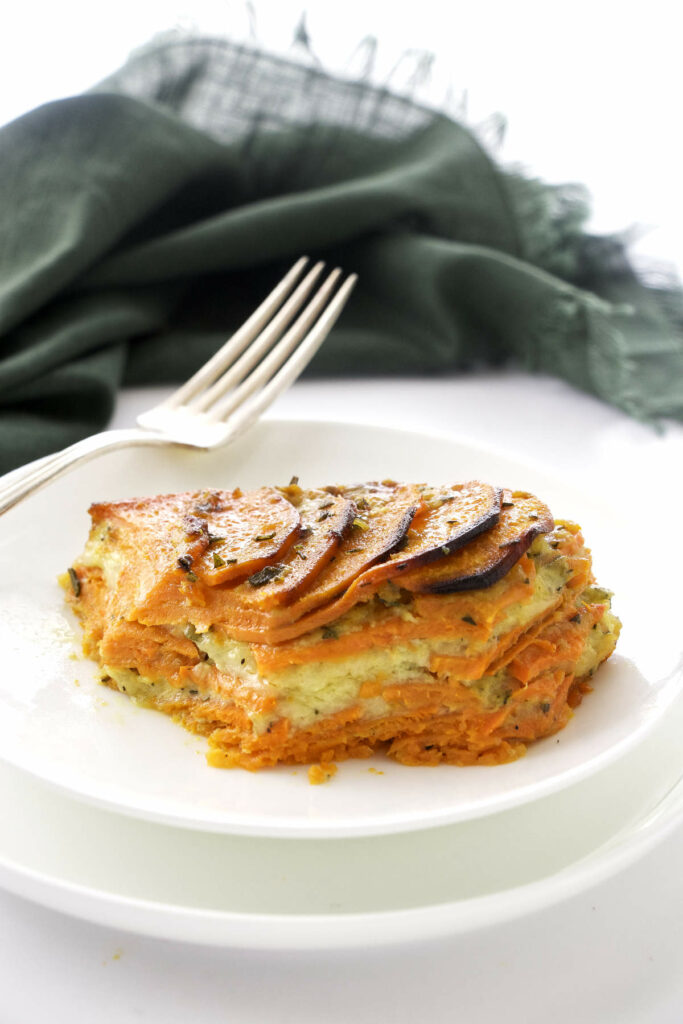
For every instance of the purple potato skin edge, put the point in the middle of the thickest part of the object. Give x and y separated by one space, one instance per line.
485 522
492 573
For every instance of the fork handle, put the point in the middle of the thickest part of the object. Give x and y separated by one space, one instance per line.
18 488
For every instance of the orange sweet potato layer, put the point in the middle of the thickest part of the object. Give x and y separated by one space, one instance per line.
454 557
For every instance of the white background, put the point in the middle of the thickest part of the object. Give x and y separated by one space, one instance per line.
592 92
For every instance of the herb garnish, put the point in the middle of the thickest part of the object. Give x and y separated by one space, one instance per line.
360 524
265 536
185 563
323 516
217 560
265 575
294 481
468 618
75 582
194 526
329 633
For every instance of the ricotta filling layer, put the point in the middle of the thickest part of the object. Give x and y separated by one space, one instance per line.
306 692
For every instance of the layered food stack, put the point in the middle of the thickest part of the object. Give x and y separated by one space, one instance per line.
435 624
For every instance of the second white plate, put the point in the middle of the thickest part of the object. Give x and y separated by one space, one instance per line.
256 893
59 724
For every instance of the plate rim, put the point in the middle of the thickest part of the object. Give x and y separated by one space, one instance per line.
663 693
270 932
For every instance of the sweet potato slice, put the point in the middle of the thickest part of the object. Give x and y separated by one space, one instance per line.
448 519
385 511
157 539
244 610
487 558
325 520
245 532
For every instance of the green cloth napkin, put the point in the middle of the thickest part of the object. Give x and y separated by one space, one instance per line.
144 220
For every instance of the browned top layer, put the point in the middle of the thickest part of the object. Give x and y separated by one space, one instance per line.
270 564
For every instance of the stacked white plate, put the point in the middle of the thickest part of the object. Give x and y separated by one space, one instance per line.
110 812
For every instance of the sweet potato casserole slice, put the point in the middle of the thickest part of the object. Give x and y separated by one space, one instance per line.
435 624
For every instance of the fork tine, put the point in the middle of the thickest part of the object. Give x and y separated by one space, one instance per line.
236 344
223 406
236 372
297 361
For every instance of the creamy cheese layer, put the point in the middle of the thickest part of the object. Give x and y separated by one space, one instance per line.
321 688
305 692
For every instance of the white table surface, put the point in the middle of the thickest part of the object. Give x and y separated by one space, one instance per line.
614 953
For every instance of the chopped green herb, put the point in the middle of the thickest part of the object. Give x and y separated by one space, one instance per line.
354 551
329 633
468 618
363 504
360 524
326 504
213 539
194 526
265 575
445 551
217 560
191 577
506 504
265 536
545 707
75 582
294 481
323 516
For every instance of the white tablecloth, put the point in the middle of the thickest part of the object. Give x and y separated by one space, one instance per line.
614 953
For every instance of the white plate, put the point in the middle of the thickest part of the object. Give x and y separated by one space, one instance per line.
59 724
256 893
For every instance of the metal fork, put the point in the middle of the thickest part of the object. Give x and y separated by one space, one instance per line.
231 390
